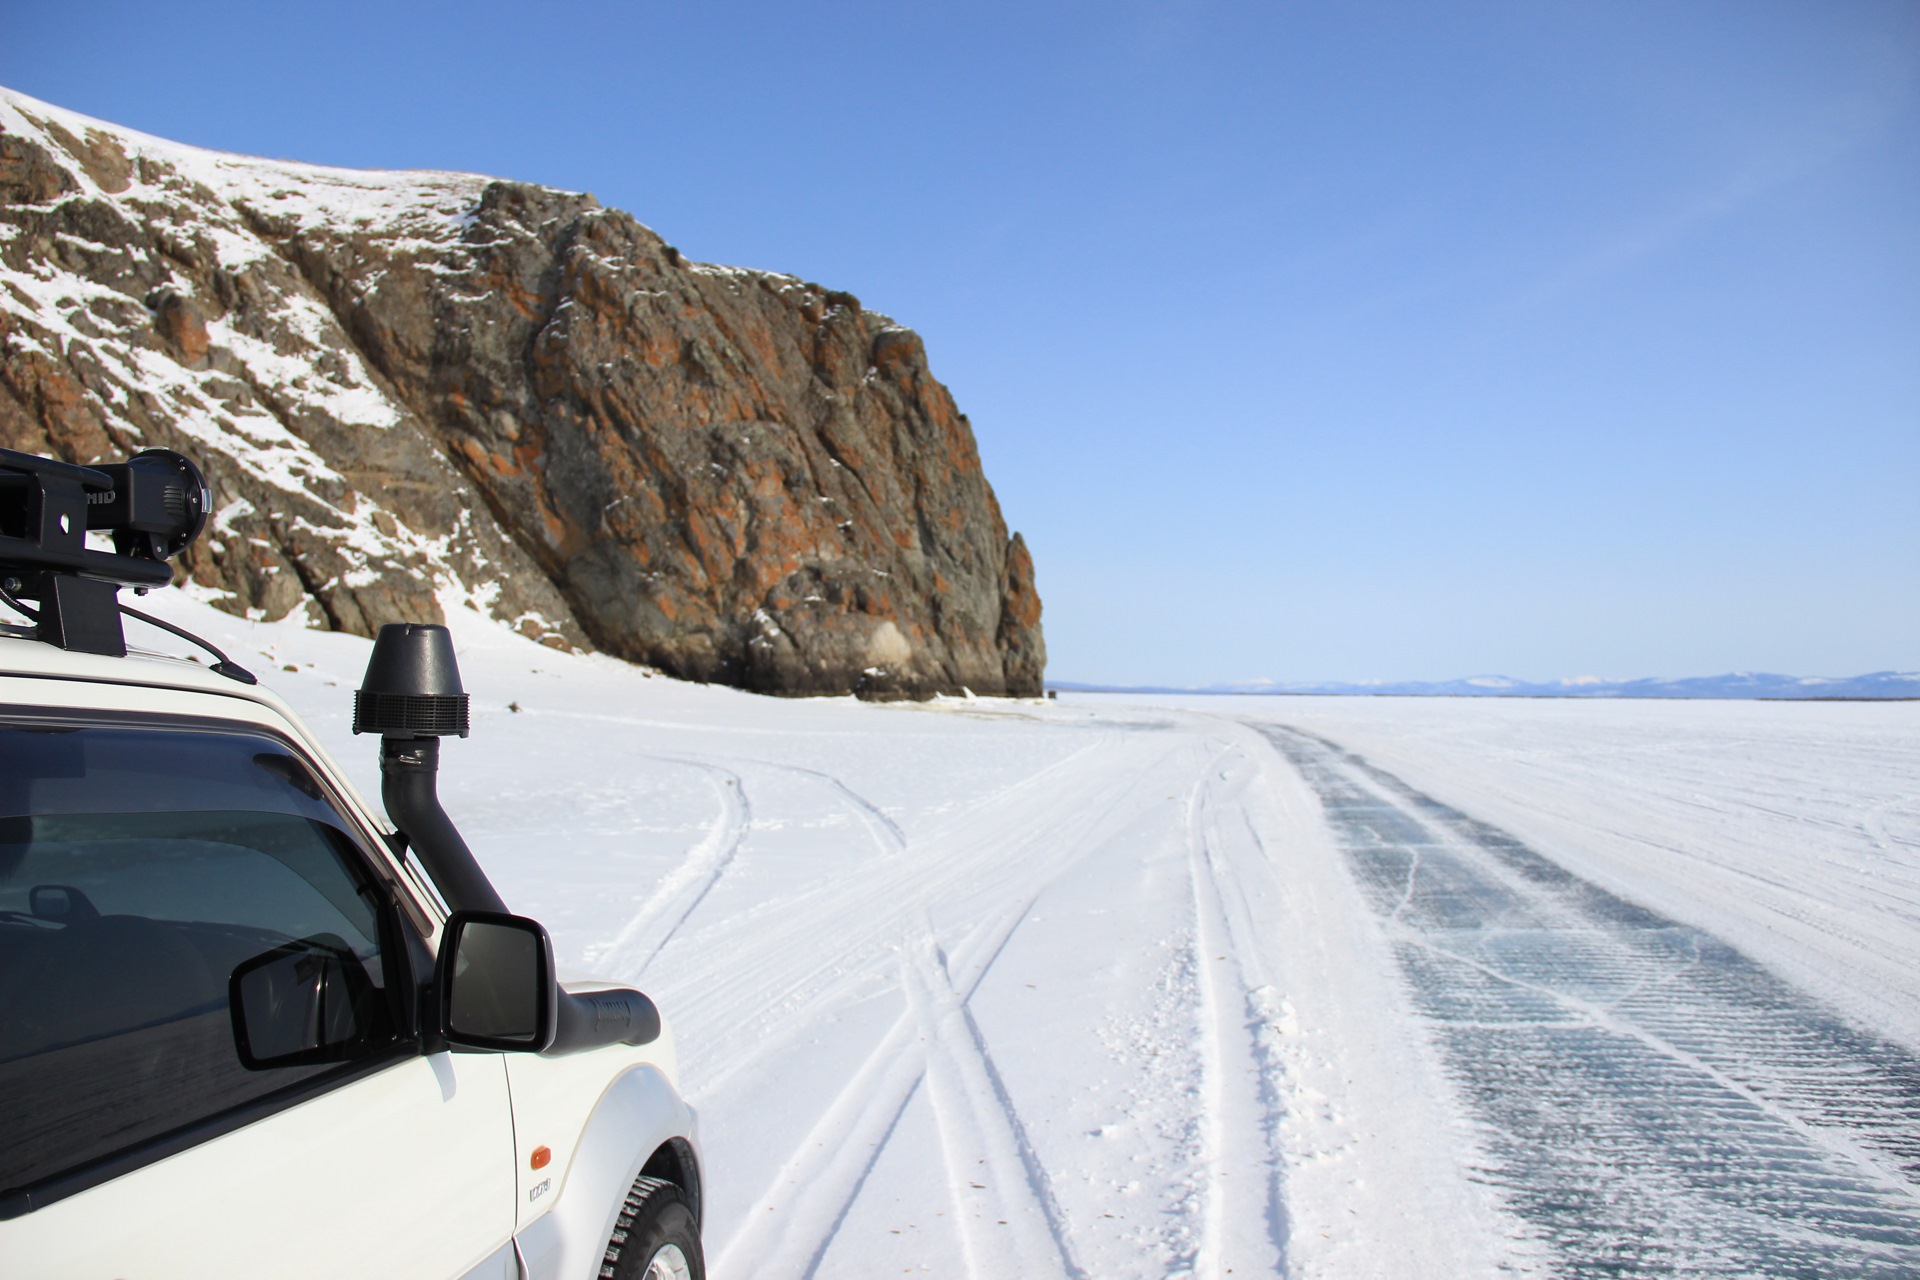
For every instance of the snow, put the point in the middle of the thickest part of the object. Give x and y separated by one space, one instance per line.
350 396
431 206
1102 988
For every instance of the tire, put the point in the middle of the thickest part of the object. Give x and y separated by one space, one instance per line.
655 1237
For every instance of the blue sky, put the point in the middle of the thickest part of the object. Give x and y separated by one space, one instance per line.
1303 341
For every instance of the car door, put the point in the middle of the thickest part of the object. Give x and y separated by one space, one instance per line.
407 1173
153 874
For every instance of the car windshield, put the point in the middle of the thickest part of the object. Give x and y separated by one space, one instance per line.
140 865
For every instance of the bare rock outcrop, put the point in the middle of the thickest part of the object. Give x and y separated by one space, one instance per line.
411 389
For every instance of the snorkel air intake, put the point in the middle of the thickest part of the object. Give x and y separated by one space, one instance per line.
411 696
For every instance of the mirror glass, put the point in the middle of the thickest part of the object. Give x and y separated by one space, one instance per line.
61 902
303 1002
494 990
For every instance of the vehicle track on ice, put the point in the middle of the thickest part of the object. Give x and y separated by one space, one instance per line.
1652 1102
673 901
682 890
780 978
1243 1212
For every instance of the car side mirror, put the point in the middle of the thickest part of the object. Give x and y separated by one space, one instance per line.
303 1002
61 902
495 976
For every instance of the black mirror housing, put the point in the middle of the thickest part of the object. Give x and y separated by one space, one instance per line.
497 990
495 982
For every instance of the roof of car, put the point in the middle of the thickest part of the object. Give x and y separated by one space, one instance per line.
21 656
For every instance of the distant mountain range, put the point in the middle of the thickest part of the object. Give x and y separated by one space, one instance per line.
1879 686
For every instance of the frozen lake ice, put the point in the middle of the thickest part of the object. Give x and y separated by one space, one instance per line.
1652 1101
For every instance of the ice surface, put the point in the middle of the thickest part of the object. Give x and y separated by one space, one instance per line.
1117 987
1789 830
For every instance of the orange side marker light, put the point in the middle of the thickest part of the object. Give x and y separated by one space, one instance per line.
541 1155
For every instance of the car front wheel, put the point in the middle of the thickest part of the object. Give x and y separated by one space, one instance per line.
655 1237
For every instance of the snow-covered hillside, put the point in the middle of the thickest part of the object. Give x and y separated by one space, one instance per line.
408 386
1113 987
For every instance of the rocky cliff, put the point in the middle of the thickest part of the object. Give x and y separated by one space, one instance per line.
417 390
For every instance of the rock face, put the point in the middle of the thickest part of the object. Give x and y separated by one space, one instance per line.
411 390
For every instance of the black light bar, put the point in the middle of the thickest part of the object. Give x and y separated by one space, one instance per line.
154 504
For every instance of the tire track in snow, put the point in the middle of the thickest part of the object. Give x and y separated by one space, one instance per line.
681 891
1244 1219
1654 1103
1013 1226
789 1230
782 969
885 831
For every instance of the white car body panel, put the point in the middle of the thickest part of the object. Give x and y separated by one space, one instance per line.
632 1118
403 1174
553 1099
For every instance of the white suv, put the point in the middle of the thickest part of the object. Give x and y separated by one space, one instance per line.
247 1028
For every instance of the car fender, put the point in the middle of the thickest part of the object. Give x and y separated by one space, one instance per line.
639 1112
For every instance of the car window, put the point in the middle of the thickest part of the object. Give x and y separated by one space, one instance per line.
141 868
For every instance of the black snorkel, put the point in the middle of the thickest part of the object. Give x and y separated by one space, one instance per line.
412 697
